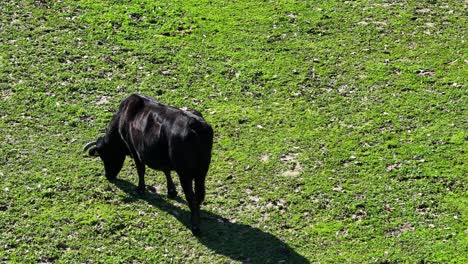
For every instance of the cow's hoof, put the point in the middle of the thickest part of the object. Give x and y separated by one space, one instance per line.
196 231
140 191
171 193
111 178
151 189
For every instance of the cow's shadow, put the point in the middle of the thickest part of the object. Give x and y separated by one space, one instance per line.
237 241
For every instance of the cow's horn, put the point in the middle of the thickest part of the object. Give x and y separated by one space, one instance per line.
88 145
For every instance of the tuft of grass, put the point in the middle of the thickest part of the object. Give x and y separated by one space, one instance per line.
340 130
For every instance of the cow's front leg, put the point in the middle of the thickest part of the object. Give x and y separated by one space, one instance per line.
141 177
171 189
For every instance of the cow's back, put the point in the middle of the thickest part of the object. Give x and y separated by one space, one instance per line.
165 137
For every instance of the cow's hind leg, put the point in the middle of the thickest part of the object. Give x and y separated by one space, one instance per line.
186 183
141 177
171 189
199 196
200 189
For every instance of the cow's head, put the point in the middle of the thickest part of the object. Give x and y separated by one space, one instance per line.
110 152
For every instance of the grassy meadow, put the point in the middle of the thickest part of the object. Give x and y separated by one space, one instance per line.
340 130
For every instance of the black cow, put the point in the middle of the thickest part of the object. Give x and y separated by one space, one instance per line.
163 138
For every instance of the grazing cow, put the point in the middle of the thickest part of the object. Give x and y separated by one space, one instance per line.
163 138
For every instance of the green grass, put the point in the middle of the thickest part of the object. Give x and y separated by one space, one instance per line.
340 130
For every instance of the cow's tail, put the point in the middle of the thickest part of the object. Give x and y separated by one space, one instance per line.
205 140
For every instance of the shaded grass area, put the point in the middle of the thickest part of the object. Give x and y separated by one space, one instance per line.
340 129
238 241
